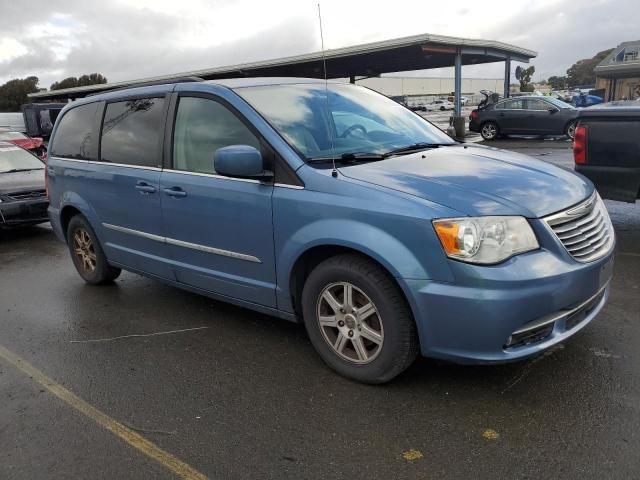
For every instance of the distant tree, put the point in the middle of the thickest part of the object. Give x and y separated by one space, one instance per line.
524 76
581 72
91 79
83 81
68 82
558 83
14 93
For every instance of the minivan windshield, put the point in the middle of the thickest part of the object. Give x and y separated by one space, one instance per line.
361 122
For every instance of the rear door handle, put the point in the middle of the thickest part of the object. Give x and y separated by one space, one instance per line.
144 187
501 114
175 192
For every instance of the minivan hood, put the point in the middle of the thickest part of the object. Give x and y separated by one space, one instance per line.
478 180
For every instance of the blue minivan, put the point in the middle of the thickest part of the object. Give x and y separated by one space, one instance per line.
332 205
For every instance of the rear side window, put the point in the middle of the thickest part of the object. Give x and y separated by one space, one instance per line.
132 132
74 137
511 105
535 104
202 127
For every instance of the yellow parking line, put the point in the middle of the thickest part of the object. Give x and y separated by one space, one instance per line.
134 439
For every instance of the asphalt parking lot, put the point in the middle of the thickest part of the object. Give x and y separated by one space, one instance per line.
232 394
441 119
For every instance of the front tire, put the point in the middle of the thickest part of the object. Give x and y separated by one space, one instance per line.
489 130
87 254
358 320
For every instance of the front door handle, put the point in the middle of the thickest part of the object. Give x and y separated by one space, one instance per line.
175 192
144 187
501 114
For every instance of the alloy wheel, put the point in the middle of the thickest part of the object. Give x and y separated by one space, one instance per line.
489 131
350 322
83 249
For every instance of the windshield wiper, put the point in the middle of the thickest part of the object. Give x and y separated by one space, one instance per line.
14 170
349 157
370 156
416 146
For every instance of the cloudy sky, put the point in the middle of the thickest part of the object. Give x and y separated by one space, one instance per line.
54 39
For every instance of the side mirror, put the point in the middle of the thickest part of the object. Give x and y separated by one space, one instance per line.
552 110
241 161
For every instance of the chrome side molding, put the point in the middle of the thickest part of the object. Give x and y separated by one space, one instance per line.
181 243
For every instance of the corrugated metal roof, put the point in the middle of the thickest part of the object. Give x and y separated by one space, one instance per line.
609 67
400 54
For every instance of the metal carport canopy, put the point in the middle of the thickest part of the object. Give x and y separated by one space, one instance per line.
418 52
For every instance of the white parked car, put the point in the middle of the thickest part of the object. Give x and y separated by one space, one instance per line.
463 100
440 105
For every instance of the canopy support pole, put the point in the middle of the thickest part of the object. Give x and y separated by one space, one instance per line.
507 76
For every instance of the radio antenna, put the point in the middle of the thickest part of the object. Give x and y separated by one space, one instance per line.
334 173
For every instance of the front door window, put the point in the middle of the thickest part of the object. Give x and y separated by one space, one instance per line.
202 127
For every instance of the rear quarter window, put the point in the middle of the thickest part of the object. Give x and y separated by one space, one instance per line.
74 137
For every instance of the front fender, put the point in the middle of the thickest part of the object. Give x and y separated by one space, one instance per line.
367 239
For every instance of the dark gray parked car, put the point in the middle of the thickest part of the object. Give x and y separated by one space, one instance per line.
23 199
530 115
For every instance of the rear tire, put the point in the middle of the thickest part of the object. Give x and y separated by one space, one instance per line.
87 254
570 131
489 130
358 319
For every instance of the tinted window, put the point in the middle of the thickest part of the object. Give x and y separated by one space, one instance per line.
132 132
559 103
511 105
74 137
202 127
535 104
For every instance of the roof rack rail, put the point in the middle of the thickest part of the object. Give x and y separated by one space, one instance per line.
149 84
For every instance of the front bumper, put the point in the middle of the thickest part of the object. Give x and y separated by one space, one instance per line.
23 212
509 311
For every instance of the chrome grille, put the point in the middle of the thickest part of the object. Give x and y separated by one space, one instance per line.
585 230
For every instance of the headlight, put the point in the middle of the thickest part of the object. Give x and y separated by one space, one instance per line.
485 240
